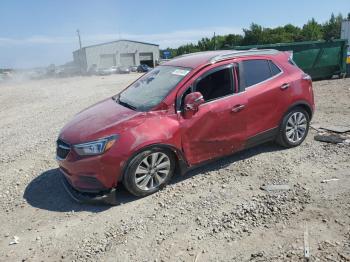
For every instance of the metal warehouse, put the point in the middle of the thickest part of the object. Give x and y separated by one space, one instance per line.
117 53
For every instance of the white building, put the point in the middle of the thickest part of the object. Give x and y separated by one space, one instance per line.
345 31
117 53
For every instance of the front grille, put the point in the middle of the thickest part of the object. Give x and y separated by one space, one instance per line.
62 149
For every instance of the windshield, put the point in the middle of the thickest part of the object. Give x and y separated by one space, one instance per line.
152 88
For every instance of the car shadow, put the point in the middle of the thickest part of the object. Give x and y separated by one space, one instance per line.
46 191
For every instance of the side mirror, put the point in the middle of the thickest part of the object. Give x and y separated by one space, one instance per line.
192 102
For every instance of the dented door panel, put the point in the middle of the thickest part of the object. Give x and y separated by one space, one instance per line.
215 130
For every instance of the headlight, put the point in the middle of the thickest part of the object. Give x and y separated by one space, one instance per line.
96 147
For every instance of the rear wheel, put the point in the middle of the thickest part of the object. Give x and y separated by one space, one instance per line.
294 128
149 171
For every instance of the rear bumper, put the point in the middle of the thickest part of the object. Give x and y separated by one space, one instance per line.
106 198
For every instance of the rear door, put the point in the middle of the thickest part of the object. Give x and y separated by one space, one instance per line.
219 126
265 88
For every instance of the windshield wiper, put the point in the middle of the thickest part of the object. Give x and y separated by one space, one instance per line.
117 99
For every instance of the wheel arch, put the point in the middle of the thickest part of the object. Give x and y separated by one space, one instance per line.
281 137
181 164
303 104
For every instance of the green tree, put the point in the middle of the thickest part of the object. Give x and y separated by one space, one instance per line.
294 32
254 35
205 44
332 27
233 40
312 31
276 35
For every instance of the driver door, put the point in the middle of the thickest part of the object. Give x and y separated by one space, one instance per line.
218 128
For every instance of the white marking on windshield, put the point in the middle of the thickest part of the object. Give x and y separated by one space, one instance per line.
180 72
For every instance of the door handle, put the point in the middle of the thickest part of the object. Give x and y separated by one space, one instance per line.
285 86
237 108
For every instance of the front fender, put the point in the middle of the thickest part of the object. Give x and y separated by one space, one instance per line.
156 131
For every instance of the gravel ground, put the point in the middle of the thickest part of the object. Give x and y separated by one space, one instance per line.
214 213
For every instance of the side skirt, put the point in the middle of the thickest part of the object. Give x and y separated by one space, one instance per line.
262 137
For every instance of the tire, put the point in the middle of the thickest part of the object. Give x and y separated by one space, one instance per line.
144 166
290 134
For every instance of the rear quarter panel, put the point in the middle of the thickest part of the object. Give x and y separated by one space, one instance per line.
300 91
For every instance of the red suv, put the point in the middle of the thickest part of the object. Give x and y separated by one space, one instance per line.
190 110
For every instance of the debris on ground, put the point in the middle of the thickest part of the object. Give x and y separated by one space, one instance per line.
330 138
332 134
14 241
315 127
306 244
275 187
329 180
331 128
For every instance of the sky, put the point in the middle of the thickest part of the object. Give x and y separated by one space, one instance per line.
40 32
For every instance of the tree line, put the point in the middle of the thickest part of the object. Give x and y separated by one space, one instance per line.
256 34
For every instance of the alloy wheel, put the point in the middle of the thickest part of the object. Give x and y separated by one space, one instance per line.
152 171
296 127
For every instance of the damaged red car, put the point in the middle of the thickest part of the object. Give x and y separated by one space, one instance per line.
190 110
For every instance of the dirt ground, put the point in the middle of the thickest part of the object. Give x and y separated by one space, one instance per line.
214 213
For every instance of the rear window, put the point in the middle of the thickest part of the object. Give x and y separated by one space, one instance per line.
255 71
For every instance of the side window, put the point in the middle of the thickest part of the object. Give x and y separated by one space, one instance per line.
274 69
217 84
255 71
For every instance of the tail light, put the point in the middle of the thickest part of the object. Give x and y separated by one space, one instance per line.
308 78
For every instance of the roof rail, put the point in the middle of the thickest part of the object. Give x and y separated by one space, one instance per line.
190 54
238 53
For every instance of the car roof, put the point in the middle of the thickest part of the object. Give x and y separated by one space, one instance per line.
201 58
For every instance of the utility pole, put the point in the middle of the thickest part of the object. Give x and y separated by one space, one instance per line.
214 42
80 50
78 32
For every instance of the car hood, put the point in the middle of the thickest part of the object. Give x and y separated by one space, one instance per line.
100 120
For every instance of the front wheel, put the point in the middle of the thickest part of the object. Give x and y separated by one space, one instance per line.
149 171
294 128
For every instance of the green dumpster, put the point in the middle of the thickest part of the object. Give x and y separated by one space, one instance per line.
319 59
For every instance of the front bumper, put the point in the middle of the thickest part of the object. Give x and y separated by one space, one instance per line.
106 198
93 174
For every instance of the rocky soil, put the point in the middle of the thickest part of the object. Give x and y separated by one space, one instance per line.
218 212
